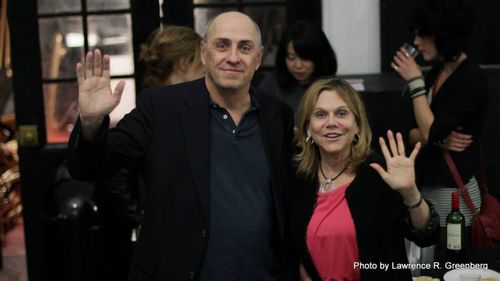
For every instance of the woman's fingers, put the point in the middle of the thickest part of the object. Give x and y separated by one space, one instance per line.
379 170
415 151
400 143
383 147
392 143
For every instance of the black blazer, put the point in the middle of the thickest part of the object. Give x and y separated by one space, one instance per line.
380 219
167 136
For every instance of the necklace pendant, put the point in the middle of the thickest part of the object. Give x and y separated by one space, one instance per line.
327 186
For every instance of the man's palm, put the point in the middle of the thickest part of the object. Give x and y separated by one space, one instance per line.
95 97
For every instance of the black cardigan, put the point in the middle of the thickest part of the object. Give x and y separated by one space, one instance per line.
380 219
461 102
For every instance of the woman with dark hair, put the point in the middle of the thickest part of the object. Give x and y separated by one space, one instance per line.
304 55
450 103
350 208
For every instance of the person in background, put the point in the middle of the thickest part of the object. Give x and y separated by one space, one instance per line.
450 103
171 56
349 207
304 54
213 152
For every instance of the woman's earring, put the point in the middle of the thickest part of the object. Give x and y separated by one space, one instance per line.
355 140
309 140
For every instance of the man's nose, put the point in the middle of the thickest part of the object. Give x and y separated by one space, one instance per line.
233 55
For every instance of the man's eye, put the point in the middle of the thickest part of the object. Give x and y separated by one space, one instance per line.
245 48
220 46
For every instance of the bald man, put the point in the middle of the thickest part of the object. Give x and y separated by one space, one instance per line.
215 155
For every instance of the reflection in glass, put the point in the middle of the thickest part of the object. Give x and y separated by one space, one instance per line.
99 5
272 21
58 48
61 108
127 103
58 6
113 35
203 15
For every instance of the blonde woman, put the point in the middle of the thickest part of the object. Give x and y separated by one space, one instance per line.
351 211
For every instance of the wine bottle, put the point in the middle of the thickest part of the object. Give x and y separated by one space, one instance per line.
455 230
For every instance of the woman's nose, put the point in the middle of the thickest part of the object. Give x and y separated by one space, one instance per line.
331 121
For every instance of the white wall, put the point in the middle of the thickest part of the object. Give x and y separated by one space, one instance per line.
353 28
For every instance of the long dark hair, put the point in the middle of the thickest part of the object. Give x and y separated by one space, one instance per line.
310 43
449 22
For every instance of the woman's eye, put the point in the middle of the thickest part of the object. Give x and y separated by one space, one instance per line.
342 113
319 114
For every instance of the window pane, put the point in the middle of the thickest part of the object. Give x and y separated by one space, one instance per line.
272 21
112 34
58 6
203 15
99 5
213 1
127 103
61 46
61 108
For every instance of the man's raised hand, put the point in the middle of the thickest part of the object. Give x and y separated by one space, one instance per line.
95 98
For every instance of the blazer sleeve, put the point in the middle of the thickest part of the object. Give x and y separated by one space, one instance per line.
122 146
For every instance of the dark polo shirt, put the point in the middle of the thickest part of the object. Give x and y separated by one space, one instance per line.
241 207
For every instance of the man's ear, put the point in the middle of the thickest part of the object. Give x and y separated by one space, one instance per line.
259 57
202 51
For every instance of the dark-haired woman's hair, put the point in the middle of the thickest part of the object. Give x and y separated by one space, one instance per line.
310 43
449 22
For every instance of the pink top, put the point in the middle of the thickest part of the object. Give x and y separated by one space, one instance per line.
331 237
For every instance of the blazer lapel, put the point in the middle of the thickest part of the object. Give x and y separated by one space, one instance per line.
196 129
272 132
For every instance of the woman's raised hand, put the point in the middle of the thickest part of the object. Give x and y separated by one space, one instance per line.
405 65
400 172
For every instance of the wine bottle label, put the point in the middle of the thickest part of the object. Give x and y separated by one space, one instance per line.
453 236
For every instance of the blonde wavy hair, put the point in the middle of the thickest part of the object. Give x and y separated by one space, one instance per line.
309 157
165 47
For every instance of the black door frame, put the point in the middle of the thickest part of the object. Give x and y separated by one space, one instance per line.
38 164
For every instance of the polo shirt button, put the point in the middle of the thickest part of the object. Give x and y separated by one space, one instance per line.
204 233
224 116
192 275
